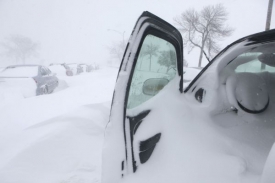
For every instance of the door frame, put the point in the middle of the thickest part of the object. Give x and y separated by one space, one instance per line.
161 29
114 139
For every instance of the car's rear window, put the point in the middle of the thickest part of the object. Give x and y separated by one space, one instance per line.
28 71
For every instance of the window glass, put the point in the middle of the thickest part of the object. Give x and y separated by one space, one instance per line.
43 71
49 71
254 65
156 66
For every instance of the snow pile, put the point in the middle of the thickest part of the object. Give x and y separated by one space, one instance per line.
12 89
62 149
189 74
62 85
57 138
199 146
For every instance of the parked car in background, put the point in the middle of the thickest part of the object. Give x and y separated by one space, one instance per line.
90 68
61 69
220 128
76 68
23 76
86 68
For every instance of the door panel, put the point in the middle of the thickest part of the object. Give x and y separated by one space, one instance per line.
152 59
132 123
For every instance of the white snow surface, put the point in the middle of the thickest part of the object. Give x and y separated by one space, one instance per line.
28 71
58 137
12 89
189 74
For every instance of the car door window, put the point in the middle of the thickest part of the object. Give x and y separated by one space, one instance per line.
155 67
48 71
43 71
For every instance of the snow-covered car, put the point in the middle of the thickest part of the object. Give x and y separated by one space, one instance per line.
76 68
220 128
85 67
12 89
61 69
19 76
90 68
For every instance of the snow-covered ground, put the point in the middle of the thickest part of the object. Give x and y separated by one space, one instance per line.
57 138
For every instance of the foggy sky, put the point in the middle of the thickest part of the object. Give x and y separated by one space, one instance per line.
77 30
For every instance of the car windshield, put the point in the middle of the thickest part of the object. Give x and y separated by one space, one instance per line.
24 71
258 59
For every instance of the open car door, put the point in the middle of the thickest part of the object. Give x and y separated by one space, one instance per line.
151 66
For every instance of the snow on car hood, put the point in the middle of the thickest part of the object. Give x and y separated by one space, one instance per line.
16 88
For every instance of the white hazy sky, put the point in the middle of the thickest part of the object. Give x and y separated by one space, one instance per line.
77 30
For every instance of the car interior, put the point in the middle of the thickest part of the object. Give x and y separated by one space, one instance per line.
245 107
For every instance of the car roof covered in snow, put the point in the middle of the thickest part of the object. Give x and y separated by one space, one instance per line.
27 65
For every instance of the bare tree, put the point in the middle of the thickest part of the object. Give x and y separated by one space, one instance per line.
141 56
20 47
117 50
185 63
204 29
168 59
151 50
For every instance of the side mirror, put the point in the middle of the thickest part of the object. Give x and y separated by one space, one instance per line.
153 86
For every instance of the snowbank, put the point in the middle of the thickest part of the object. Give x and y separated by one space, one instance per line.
61 149
12 89
57 138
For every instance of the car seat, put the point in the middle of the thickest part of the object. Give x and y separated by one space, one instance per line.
247 92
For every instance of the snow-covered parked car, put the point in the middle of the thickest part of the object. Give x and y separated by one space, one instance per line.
85 67
30 79
220 128
90 68
76 68
61 69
